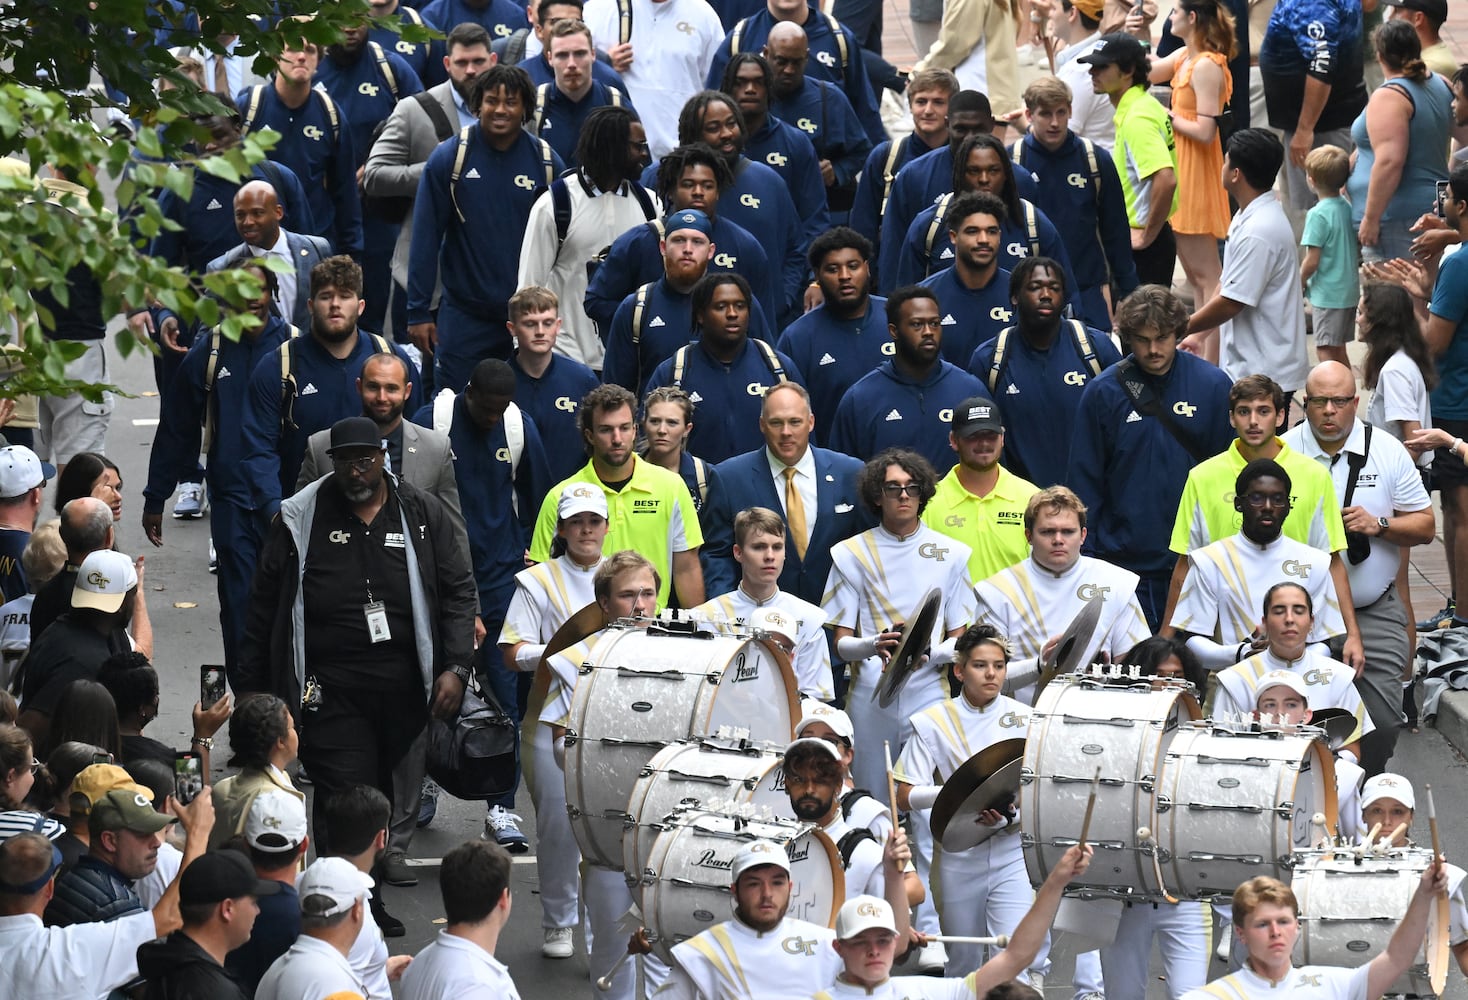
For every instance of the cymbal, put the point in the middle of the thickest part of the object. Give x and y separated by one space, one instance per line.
588 621
917 634
987 780
1338 723
1073 646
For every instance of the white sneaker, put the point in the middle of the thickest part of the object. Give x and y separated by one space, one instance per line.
1037 982
557 943
190 502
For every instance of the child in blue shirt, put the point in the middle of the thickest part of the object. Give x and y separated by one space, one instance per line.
1329 270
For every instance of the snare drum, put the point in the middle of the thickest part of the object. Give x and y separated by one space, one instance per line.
638 691
687 889
702 775
1349 909
1234 805
1082 723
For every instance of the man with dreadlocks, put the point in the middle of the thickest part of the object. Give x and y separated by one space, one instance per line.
575 221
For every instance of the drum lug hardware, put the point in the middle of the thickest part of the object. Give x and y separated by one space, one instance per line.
571 738
1246 859
708 779
1125 723
1066 779
1026 775
1252 810
572 811
1164 803
667 675
1147 783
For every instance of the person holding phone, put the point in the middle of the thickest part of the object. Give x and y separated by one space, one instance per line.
133 683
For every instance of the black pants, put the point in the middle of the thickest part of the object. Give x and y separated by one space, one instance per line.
356 737
1157 262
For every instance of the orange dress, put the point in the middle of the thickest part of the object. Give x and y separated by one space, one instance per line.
1202 202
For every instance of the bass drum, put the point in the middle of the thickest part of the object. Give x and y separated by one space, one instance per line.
704 775
687 889
1349 908
1082 723
636 692
1235 805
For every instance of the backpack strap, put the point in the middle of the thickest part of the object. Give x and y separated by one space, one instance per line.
701 478
624 21
547 159
1001 349
209 405
288 386
252 109
734 35
538 115
1092 163
442 127
443 411
515 47
331 113
850 799
560 193
772 360
939 217
385 68
1084 348
1017 154
1032 226
639 310
514 424
460 155
835 26
680 364
380 344
889 173
616 96
644 201
850 841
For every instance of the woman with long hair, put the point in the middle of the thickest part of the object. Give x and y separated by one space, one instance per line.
18 766
1400 142
85 713
1201 89
90 475
1398 367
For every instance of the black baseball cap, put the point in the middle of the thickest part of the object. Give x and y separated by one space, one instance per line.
221 875
355 432
976 414
1115 48
1435 9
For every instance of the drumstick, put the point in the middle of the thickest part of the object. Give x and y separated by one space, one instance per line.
1090 806
1370 837
1437 967
891 783
1432 823
605 982
1391 838
1001 940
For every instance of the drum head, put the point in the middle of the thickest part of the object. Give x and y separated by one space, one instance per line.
1074 643
987 780
917 634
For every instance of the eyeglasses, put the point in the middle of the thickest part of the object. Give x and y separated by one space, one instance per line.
1267 499
895 490
1321 402
36 766
357 465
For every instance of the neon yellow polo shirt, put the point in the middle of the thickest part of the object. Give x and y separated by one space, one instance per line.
653 515
1206 512
1144 145
992 526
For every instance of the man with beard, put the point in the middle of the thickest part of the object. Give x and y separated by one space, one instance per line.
690 176
657 319
814 780
1154 415
573 223
774 141
308 383
908 401
563 103
974 292
1040 367
361 618
725 370
498 18
760 952
1224 583
820 110
476 190
979 502
839 341
414 130
757 198
367 82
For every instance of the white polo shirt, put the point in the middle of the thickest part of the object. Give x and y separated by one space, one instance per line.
812 659
1400 395
1309 982
1261 269
452 966
1224 590
1389 482
69 963
310 969
1331 684
732 961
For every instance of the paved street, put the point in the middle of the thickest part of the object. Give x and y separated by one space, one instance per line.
188 635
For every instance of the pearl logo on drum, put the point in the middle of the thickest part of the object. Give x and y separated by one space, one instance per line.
710 859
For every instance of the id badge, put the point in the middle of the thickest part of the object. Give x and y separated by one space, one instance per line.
376 614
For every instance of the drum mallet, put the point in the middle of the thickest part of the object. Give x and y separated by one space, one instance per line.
1370 838
1001 941
891 784
605 982
1090 806
1385 843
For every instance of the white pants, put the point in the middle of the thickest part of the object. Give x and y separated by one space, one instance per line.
983 892
606 897
557 855
1184 936
1088 978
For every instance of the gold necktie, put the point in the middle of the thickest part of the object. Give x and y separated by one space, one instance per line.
221 75
795 512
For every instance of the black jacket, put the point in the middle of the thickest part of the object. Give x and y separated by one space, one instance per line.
178 969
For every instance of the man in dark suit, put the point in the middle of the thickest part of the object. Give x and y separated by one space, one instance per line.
257 215
813 487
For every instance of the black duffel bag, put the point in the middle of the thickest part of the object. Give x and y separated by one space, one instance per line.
475 757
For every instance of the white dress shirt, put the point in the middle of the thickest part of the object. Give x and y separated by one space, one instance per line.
62 963
285 287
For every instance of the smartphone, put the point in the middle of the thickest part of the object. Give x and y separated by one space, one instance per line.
1440 203
188 776
211 684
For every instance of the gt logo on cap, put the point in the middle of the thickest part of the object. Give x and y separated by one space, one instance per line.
96 579
868 910
138 800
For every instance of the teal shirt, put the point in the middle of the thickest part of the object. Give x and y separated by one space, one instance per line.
1335 283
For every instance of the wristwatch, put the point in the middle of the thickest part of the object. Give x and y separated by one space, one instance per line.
1382 521
462 673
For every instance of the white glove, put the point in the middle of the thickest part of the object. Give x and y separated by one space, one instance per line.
527 657
923 796
943 653
1216 655
854 649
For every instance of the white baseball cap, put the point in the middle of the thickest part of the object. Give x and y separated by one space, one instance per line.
759 852
581 498
103 581
338 880
276 821
775 620
1282 678
21 471
811 741
1388 786
862 913
835 719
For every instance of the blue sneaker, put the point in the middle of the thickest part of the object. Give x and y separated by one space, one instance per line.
427 803
190 502
502 827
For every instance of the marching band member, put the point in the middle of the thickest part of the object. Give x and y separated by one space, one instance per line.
858 805
866 940
1285 695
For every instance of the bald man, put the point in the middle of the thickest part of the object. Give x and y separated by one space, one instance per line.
257 217
1386 510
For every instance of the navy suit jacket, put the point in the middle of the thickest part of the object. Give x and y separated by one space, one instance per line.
744 481
306 252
